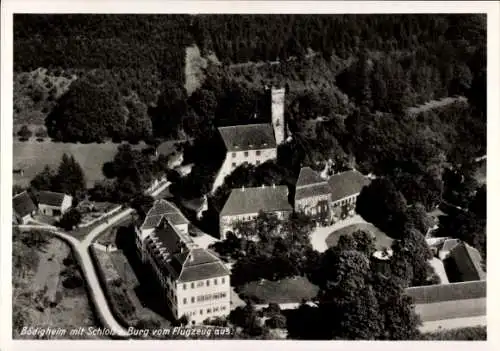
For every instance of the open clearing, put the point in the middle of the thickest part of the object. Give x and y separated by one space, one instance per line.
32 157
39 297
381 239
284 291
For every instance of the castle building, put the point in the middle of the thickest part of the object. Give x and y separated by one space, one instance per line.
195 281
252 143
345 188
245 204
278 114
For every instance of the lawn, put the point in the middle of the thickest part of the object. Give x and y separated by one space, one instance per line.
32 157
288 290
41 295
381 239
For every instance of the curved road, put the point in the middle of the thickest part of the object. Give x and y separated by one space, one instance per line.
81 250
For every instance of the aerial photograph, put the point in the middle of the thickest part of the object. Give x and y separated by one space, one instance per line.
249 176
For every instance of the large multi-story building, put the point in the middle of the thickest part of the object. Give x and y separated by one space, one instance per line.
312 195
196 283
328 200
252 143
244 204
345 188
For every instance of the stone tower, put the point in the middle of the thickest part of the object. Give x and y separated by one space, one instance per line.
278 113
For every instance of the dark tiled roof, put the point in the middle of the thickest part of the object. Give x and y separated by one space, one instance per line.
468 261
248 137
312 190
22 204
308 177
447 292
200 264
163 208
346 183
51 198
253 200
449 244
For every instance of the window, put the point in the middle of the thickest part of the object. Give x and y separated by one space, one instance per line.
192 300
223 280
201 312
234 154
234 164
208 282
216 309
215 281
223 308
257 162
184 301
209 310
199 284
184 286
246 153
257 152
192 285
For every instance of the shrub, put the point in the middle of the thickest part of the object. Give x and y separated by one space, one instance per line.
25 133
72 282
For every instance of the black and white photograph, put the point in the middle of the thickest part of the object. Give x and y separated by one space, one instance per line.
247 176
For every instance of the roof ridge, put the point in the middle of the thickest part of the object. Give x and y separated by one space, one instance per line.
21 193
244 125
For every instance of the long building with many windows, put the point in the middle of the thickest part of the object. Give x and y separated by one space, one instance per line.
196 282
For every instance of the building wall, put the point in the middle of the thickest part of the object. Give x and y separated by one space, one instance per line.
227 223
236 158
315 206
66 204
202 299
278 113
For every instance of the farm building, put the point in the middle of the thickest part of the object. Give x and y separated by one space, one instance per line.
23 208
53 204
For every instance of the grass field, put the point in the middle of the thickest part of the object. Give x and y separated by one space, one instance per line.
284 291
381 239
39 295
32 157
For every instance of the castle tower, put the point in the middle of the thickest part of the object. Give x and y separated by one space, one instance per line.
278 113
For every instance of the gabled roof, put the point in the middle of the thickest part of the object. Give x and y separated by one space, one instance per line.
447 292
468 262
253 200
182 258
162 208
308 176
248 137
346 183
22 204
449 244
51 198
198 264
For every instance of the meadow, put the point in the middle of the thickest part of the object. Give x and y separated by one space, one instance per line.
32 157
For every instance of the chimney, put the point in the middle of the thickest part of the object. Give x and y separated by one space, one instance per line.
274 186
263 186
243 188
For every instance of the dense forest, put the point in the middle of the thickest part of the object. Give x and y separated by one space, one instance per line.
381 63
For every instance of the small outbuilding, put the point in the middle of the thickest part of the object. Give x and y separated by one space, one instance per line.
53 204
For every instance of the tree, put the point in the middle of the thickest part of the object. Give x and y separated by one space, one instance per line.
139 125
277 320
417 217
69 178
383 205
43 180
478 204
142 204
70 219
25 132
410 259
88 112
